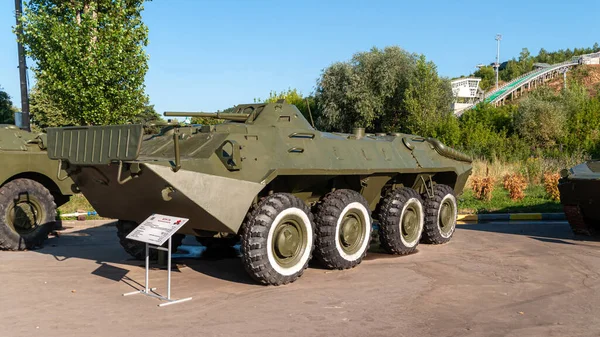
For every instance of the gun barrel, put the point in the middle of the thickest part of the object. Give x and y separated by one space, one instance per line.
239 117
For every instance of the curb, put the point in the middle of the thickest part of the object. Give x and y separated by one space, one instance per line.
511 217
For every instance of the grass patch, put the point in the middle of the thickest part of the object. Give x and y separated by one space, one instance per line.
535 201
77 202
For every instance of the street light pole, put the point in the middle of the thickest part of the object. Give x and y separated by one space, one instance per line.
498 38
22 70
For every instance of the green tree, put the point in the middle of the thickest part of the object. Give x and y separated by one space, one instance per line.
89 57
427 102
7 111
540 119
487 75
44 111
366 90
306 105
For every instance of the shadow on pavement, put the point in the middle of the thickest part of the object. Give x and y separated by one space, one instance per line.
544 231
101 244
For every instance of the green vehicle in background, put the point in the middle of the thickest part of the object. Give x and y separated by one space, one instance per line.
266 177
30 189
579 188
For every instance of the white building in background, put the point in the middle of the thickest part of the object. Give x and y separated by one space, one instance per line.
466 93
590 59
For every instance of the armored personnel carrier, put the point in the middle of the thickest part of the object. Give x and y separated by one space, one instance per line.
31 188
579 188
269 178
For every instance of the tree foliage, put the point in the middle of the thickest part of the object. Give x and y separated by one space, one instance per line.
427 103
306 105
7 111
89 58
385 90
45 111
366 90
540 120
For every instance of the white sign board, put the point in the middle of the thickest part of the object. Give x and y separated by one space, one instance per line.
157 229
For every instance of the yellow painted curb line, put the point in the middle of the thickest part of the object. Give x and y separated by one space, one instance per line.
467 217
526 216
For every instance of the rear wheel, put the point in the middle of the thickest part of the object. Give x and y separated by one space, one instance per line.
343 226
137 249
27 214
440 215
277 239
401 221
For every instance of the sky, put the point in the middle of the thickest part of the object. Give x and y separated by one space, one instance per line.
211 55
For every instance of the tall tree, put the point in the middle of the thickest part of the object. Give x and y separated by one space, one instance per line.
89 57
7 111
427 101
365 90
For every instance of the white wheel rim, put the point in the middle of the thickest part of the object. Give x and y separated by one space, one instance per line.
367 229
309 236
453 200
419 207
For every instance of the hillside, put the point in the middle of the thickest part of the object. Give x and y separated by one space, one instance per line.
587 75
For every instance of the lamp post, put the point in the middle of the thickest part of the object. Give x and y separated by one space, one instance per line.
22 70
498 38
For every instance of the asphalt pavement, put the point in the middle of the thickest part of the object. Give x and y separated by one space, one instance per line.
493 279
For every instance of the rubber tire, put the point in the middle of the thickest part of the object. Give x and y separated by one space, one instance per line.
255 231
328 212
390 236
137 249
11 240
431 230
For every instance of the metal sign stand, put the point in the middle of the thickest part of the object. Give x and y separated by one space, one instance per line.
150 291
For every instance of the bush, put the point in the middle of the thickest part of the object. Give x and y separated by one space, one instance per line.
551 185
515 184
483 187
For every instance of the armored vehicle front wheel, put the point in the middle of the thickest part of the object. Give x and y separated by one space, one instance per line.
27 214
343 227
440 215
401 219
277 239
137 249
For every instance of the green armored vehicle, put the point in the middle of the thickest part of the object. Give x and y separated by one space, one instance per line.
579 189
267 177
30 189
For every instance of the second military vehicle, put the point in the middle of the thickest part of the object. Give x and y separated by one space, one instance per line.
268 177
31 188
579 188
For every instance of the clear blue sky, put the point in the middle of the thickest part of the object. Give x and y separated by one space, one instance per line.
209 55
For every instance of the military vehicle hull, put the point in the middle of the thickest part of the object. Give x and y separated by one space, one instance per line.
579 189
242 177
30 189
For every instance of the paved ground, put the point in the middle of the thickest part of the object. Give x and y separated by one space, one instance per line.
501 279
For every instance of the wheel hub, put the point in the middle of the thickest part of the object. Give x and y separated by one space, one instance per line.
410 225
287 241
446 216
350 231
24 214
